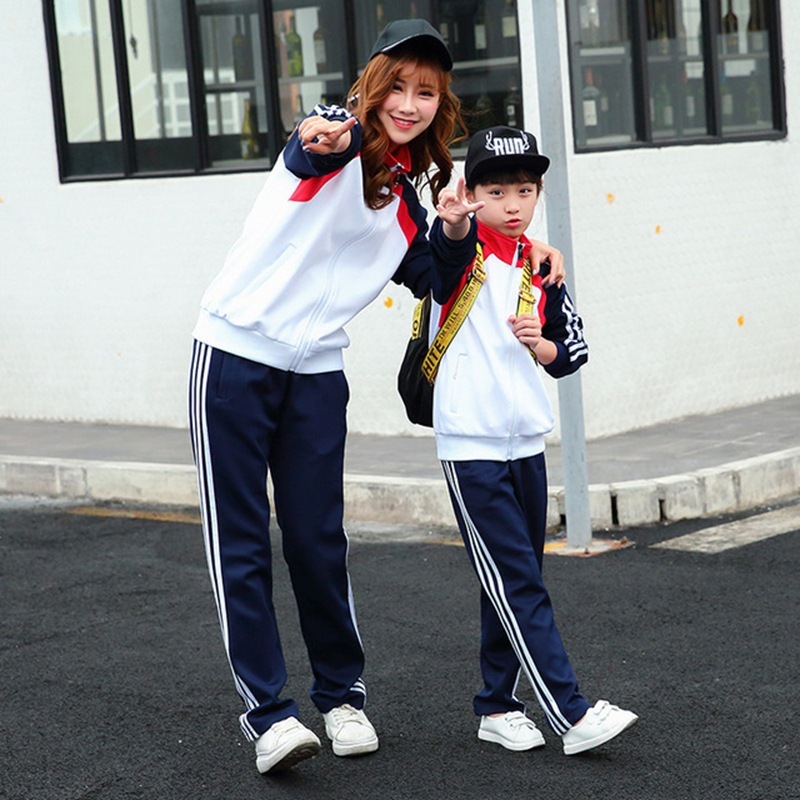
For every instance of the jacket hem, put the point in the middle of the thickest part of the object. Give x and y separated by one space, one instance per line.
486 448
250 344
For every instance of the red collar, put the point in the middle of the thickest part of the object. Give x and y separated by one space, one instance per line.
399 161
504 247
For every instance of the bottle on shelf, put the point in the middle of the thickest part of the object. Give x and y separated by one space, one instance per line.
280 51
481 32
752 101
484 111
689 102
450 31
294 51
299 111
680 29
242 54
508 28
592 33
603 103
757 27
512 107
611 21
726 100
590 102
320 49
662 28
664 111
730 31
249 137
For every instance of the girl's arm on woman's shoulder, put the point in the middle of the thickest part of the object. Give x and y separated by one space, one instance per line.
323 142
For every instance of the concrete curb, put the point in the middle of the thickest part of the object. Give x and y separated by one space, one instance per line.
736 486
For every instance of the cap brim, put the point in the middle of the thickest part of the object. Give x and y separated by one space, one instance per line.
537 164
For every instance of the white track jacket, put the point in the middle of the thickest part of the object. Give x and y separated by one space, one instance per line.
311 256
489 399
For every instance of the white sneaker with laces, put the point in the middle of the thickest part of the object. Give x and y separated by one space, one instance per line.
284 744
513 730
601 723
350 732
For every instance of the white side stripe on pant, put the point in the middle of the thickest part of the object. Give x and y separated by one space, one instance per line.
205 480
492 583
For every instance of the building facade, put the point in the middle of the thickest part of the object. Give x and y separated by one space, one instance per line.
136 135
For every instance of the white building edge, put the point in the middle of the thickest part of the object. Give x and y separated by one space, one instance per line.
686 262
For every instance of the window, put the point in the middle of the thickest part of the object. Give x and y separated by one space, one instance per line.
157 87
675 71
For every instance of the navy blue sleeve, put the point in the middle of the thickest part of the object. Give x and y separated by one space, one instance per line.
416 268
564 327
450 258
419 269
311 165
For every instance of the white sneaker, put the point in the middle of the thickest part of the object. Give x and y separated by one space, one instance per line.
601 723
350 731
284 744
513 730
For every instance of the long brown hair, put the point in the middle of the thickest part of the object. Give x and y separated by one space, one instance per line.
367 95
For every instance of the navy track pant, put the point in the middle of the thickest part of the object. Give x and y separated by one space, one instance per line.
247 418
501 508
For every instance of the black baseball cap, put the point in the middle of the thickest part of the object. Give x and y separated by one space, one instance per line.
502 148
415 35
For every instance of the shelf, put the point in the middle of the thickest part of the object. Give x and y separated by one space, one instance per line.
233 86
483 63
229 9
322 77
605 51
609 140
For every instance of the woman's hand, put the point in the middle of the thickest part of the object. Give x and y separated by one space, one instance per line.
454 208
324 136
544 252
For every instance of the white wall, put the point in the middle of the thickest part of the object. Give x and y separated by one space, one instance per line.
100 281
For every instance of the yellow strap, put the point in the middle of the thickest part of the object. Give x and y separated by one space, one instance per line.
455 318
526 297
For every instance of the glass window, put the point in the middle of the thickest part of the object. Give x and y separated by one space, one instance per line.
663 71
158 85
207 85
91 112
744 66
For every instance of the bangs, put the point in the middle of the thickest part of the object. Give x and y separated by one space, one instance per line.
428 71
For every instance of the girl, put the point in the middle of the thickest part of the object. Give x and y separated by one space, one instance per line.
338 217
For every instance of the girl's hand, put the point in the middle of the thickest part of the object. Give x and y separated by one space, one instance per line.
543 252
454 208
527 328
324 136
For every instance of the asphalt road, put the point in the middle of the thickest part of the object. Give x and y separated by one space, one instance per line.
114 683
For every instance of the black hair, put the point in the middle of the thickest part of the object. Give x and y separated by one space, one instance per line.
504 176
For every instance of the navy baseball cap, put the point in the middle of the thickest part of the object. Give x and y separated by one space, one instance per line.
415 35
502 148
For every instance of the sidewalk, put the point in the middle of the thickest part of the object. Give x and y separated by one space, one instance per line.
684 469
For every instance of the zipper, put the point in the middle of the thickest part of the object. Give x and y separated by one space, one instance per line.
322 306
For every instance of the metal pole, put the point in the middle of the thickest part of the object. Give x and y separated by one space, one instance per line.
551 92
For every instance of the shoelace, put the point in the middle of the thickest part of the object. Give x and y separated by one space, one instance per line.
346 713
